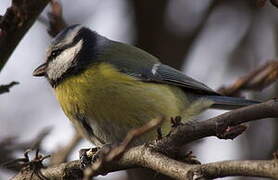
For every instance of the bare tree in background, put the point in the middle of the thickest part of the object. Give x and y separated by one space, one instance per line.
156 33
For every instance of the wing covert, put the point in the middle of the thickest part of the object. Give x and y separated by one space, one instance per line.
160 73
166 74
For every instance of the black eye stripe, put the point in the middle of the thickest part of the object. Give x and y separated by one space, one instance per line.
55 53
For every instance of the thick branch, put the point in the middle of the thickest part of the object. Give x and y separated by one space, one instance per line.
15 23
236 168
143 156
216 126
146 157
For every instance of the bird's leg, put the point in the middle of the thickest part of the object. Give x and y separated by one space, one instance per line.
176 121
159 133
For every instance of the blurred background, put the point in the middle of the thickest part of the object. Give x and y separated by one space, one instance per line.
213 41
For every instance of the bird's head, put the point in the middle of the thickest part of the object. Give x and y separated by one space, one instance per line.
70 52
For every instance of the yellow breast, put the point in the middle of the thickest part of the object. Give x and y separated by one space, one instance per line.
114 102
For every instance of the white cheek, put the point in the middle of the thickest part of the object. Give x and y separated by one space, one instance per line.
63 62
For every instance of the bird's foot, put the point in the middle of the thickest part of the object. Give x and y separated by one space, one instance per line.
176 121
190 158
89 156
86 156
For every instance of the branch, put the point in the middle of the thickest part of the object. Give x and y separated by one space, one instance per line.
143 156
56 20
6 88
216 126
274 3
255 80
117 151
15 23
10 145
255 168
155 155
261 3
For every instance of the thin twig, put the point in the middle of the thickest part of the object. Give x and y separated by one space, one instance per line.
6 88
56 20
10 145
255 80
120 149
131 135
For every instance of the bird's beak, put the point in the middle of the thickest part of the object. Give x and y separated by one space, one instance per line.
40 71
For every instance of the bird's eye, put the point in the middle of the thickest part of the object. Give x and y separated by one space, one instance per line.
55 53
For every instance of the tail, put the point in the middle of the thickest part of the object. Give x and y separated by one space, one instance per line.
228 103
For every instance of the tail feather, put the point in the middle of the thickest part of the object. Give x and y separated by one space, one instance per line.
228 103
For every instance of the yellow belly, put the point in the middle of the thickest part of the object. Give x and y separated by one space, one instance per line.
114 103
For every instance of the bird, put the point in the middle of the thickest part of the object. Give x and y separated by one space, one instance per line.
106 88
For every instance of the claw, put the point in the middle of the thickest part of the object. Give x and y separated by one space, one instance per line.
86 156
176 121
191 159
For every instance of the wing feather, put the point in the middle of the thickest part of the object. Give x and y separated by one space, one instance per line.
165 74
175 77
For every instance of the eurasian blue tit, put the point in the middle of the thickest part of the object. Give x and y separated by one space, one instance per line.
106 87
